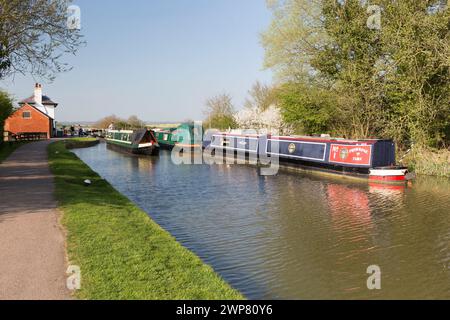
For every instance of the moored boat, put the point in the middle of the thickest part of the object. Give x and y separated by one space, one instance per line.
165 137
185 136
370 158
140 141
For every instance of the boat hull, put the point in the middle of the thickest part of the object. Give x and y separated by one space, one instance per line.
389 175
166 146
147 151
164 139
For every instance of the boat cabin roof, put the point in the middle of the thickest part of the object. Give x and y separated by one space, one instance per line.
120 131
303 138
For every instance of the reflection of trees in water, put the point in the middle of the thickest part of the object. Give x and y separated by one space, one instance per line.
145 163
433 186
301 239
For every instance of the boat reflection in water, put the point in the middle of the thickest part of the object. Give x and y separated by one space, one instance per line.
347 201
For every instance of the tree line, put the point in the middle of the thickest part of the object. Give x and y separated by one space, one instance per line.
355 70
133 122
338 74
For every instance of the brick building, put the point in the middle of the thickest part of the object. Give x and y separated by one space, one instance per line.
35 116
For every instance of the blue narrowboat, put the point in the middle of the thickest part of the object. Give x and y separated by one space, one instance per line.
373 157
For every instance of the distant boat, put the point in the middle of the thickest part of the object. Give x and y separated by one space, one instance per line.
166 137
142 141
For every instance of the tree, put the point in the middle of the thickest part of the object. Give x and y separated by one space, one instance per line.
267 121
106 121
309 109
219 112
34 35
417 39
392 80
261 97
135 123
292 38
6 109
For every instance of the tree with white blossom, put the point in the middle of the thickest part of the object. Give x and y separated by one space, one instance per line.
268 121
260 111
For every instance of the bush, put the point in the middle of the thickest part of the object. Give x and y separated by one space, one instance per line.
6 109
427 161
221 122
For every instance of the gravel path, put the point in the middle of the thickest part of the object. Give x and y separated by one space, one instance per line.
32 243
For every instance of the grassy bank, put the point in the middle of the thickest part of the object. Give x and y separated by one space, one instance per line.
74 143
7 148
122 253
429 162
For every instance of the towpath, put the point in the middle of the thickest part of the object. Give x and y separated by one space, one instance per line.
32 243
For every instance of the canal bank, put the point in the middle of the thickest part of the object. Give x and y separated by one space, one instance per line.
121 252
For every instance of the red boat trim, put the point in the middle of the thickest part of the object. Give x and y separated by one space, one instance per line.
388 178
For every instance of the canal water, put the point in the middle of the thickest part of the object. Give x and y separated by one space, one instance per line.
294 236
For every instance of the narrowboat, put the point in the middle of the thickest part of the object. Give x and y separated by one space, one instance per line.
165 137
185 136
371 158
142 142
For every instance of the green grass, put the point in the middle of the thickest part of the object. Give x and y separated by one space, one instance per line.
6 148
81 139
430 162
73 143
122 253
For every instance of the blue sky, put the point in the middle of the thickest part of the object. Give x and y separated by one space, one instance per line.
158 59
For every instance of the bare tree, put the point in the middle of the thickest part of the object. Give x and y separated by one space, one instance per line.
261 97
34 35
220 105
106 121
219 112
135 123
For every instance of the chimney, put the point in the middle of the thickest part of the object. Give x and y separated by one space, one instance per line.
38 93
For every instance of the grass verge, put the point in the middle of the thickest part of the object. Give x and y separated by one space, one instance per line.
121 252
6 148
74 143
429 162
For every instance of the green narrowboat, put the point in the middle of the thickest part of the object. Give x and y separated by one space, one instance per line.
141 141
165 137
185 135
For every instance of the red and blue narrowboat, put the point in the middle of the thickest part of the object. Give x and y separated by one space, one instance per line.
373 158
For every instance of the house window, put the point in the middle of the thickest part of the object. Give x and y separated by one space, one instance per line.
26 115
